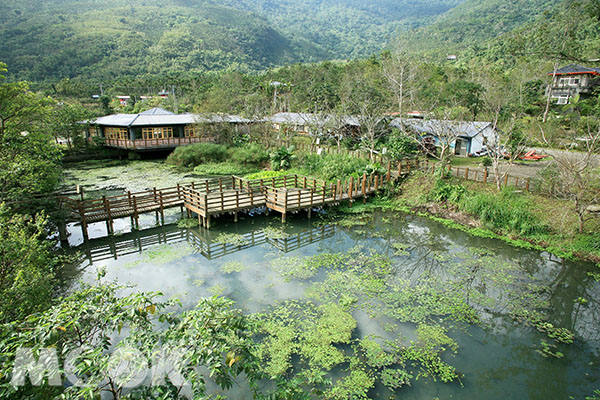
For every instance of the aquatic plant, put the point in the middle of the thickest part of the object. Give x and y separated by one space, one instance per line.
232 266
187 223
274 233
231 238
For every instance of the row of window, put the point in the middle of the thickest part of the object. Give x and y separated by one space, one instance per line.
152 133
569 81
116 133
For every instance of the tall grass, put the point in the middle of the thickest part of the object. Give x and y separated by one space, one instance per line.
506 210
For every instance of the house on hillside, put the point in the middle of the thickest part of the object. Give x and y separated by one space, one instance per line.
573 80
159 129
471 137
308 124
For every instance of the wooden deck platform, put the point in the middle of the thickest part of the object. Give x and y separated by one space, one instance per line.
231 195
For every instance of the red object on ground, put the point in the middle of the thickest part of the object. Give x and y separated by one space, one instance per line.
531 156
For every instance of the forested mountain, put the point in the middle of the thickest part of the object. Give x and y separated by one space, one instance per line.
474 22
101 39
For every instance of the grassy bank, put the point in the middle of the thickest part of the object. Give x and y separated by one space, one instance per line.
522 219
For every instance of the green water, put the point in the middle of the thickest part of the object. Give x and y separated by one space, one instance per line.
497 358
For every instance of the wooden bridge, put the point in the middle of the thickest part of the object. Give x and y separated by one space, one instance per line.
231 195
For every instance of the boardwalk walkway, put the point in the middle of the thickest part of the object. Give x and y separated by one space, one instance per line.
231 195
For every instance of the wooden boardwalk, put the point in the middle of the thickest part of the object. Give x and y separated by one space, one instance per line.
231 195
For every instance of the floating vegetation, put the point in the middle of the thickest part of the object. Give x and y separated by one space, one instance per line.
231 238
163 254
187 223
232 266
275 233
401 249
217 290
354 220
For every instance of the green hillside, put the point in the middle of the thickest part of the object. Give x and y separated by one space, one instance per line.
475 22
102 39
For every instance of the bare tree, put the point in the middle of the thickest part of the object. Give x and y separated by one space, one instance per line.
503 129
578 175
362 98
398 69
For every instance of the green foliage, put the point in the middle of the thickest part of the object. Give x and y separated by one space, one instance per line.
401 146
505 211
96 316
223 168
249 154
265 174
331 167
30 161
444 191
187 223
196 154
282 158
28 266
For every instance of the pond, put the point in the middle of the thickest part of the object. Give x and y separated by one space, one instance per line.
486 317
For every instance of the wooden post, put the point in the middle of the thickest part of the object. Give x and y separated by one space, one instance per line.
467 174
351 190
83 221
135 213
304 185
388 176
162 209
338 188
207 219
221 184
527 184
206 186
506 180
108 214
516 181
399 168
485 176
376 182
364 191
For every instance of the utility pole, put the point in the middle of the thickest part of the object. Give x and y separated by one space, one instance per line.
175 108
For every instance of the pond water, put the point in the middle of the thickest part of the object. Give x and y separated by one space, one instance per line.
257 262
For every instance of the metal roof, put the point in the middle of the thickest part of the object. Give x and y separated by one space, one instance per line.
309 119
468 129
574 69
161 117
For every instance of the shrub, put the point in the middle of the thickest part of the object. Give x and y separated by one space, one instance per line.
196 154
401 146
332 166
505 210
445 191
249 154
282 158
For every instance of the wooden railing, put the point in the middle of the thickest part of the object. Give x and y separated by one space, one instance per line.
152 143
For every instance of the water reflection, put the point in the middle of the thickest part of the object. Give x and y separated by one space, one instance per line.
202 240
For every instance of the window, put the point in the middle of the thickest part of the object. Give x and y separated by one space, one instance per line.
116 133
192 131
570 81
561 99
157 133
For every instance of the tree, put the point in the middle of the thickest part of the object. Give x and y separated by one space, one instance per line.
30 161
67 122
112 345
27 266
398 69
401 146
577 175
504 131
363 98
